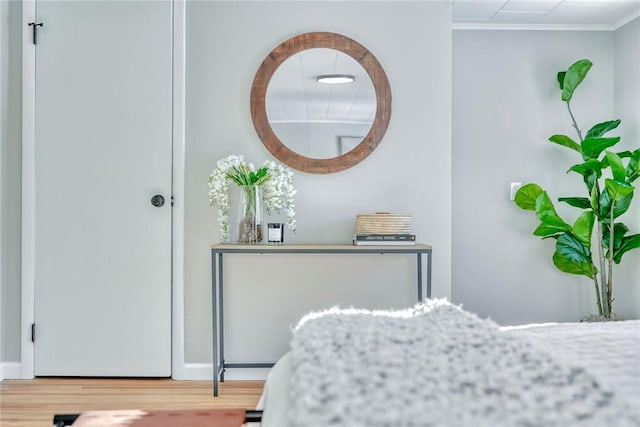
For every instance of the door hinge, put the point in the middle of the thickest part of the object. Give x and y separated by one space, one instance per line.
34 28
33 332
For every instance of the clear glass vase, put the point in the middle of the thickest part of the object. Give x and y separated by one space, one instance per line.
250 216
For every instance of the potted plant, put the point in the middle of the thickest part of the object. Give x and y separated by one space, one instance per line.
595 242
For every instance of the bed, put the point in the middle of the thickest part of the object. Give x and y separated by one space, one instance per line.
438 365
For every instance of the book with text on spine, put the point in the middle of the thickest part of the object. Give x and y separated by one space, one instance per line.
384 242
384 237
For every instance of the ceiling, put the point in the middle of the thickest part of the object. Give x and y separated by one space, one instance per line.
294 96
544 14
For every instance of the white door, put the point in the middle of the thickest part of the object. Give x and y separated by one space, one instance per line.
102 151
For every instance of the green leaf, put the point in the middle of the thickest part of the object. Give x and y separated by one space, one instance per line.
621 206
544 207
618 189
583 227
621 154
590 170
592 147
554 236
261 176
546 230
565 141
573 77
576 202
595 199
590 179
560 78
633 168
628 243
242 175
617 168
602 128
547 214
568 266
590 165
573 249
526 196
572 256
619 230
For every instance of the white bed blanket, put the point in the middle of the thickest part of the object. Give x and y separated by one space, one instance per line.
436 365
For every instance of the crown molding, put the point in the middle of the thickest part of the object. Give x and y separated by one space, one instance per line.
624 21
492 26
531 27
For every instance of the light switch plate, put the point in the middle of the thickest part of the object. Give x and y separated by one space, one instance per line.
514 189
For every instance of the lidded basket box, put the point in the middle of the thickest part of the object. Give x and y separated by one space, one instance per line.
383 223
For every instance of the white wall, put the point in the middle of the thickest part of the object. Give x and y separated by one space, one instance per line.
626 107
408 172
506 105
10 137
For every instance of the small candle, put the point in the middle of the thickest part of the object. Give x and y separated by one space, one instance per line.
276 232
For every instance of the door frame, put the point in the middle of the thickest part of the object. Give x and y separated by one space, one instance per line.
178 369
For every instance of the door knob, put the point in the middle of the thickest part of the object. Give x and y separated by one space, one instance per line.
157 200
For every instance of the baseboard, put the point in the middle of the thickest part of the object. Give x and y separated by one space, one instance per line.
10 371
190 372
204 372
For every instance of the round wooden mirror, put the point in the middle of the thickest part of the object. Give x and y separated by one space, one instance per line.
345 158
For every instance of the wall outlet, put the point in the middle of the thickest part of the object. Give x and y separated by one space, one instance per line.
514 189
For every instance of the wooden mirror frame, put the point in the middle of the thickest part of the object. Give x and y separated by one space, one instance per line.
310 41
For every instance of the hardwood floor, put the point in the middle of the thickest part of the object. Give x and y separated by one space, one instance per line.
31 403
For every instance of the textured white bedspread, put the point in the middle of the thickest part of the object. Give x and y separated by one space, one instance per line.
524 376
610 351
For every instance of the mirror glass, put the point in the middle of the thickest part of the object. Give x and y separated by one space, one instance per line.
320 120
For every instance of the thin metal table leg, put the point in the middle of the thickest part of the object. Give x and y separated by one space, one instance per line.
429 274
221 299
214 321
419 277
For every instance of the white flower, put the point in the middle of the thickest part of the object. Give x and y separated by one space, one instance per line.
277 191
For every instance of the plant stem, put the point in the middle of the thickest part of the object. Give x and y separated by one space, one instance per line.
250 191
573 119
603 310
598 300
603 275
611 246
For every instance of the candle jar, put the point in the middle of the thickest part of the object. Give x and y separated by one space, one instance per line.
275 232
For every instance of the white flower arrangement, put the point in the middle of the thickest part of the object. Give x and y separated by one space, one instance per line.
274 179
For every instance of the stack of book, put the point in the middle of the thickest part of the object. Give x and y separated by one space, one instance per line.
384 239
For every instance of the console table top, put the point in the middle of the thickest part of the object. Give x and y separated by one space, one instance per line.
319 248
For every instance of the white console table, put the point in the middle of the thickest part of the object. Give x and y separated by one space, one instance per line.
217 275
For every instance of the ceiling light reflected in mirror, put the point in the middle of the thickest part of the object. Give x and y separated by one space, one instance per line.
335 79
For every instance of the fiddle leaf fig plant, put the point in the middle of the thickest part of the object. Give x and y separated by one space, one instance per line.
595 241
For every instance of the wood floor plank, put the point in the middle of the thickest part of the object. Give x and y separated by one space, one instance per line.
31 403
